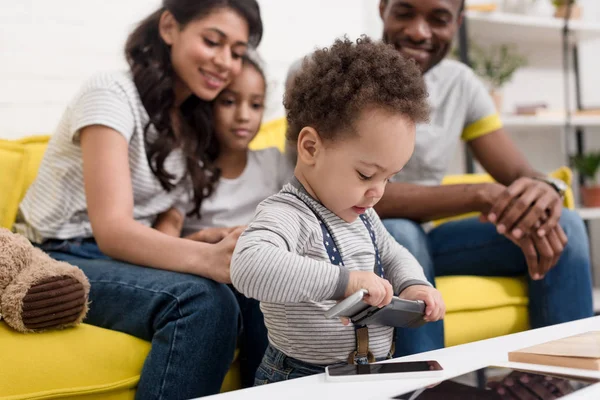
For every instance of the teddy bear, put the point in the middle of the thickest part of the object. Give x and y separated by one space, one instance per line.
38 293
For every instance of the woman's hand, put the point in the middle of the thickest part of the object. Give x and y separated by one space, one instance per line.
219 256
212 235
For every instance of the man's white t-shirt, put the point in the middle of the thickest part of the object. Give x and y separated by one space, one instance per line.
234 201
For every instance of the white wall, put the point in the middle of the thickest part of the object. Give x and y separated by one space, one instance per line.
47 48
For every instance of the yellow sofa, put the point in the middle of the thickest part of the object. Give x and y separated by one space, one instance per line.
85 362
94 363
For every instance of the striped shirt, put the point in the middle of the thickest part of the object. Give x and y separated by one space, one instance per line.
281 261
55 205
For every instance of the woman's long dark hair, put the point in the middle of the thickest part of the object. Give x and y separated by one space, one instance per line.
150 61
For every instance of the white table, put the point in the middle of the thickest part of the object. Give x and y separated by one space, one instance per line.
455 361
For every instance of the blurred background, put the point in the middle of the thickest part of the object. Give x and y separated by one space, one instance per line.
47 48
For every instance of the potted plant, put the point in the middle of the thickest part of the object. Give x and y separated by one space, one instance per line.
496 65
561 7
587 165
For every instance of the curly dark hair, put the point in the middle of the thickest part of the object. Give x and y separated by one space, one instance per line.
149 59
334 84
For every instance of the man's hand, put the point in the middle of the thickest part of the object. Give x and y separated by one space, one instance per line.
212 235
542 253
436 308
521 205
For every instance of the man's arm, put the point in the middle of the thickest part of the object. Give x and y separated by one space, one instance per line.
528 210
425 203
499 156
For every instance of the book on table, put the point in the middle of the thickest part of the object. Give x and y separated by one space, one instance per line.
580 351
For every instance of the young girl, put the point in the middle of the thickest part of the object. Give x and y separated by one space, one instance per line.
129 145
352 111
245 179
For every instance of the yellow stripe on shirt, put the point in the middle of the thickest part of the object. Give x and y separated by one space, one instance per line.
482 127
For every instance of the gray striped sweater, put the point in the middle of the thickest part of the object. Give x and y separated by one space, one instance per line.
55 206
281 261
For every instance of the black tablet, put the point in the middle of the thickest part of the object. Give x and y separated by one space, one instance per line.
499 383
399 313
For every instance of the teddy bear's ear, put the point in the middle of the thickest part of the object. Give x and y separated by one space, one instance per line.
15 255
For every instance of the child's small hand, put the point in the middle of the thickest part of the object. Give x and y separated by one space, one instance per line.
380 290
435 306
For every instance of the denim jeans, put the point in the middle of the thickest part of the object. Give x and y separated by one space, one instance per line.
469 247
192 322
277 367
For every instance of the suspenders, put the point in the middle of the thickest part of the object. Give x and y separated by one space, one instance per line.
361 355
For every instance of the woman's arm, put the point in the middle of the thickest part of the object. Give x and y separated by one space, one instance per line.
109 197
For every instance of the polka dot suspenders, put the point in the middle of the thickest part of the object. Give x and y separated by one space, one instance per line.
361 355
333 253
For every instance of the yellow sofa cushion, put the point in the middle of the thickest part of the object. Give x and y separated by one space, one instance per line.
85 361
19 162
271 134
479 308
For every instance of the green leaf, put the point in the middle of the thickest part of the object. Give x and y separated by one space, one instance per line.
587 164
495 64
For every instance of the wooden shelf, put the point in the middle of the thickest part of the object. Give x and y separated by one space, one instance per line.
525 121
517 28
588 213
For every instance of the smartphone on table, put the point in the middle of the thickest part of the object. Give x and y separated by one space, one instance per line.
387 370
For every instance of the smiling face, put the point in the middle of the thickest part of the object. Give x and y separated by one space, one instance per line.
238 110
348 174
422 30
206 53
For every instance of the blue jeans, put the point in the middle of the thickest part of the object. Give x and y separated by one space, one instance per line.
192 322
469 247
277 367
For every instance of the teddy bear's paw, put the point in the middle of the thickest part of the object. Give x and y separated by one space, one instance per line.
54 302
15 255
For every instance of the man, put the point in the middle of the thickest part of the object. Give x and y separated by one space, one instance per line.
523 228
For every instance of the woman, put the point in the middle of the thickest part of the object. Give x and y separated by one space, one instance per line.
128 147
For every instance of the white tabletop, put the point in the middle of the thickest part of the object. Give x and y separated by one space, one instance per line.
455 360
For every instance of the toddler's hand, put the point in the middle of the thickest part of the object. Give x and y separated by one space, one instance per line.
435 307
380 290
